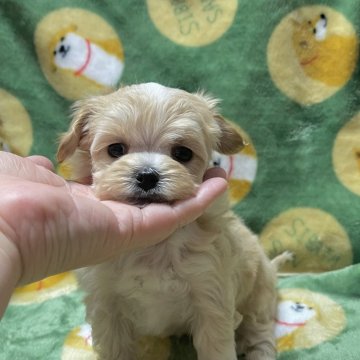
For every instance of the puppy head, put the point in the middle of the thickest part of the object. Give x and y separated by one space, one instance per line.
147 143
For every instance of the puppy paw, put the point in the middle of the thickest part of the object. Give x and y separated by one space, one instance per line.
259 354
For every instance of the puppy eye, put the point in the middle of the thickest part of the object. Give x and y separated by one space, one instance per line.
116 150
181 153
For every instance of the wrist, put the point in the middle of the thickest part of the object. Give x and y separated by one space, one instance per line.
10 270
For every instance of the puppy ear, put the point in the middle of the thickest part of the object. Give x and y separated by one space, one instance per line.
230 141
70 140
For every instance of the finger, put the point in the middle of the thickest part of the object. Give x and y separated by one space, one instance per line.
189 210
215 172
42 161
158 221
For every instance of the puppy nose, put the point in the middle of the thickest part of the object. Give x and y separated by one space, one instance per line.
147 179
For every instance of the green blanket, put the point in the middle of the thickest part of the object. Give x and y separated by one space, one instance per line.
287 73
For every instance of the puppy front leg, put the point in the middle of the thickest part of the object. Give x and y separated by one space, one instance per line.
113 339
113 335
256 334
256 338
214 339
213 329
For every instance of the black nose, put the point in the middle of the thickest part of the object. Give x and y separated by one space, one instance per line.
147 178
62 49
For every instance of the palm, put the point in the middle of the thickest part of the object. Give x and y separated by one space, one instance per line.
57 226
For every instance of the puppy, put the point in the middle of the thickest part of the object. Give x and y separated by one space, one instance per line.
211 279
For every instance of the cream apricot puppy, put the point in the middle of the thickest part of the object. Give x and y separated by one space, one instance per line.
211 279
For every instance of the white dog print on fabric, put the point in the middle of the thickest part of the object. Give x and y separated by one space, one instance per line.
240 168
79 52
78 345
291 316
85 333
306 319
73 52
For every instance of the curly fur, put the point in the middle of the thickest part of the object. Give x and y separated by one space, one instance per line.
211 278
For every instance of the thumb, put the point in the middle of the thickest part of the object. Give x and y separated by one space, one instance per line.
156 222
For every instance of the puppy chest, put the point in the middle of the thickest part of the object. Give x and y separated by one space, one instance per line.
158 303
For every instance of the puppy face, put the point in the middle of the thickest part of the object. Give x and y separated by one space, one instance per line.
147 143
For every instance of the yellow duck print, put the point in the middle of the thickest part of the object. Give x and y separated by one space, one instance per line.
323 55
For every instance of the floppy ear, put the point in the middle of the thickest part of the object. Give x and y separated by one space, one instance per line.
70 140
229 141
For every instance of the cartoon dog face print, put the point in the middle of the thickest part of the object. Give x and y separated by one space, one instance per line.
312 53
306 37
83 57
240 169
305 319
324 55
291 316
70 52
79 52
78 344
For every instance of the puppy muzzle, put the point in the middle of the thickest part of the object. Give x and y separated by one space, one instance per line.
142 178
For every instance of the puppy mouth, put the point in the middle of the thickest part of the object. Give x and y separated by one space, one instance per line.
142 200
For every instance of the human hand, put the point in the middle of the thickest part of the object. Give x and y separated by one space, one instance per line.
50 225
